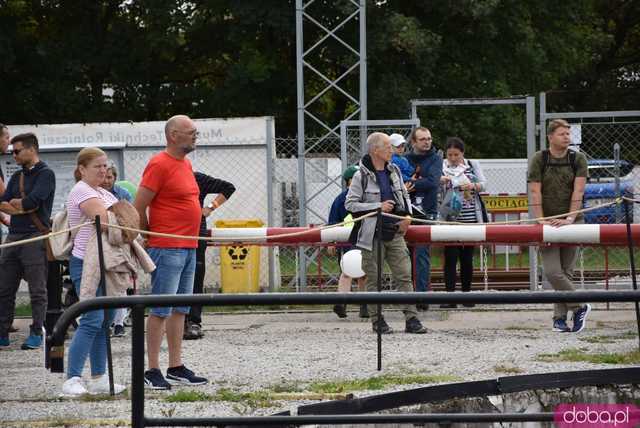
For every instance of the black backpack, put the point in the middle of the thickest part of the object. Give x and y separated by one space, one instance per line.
571 162
546 164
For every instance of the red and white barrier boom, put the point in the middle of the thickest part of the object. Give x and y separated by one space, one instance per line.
593 234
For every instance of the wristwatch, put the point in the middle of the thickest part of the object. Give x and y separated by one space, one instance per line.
570 218
213 205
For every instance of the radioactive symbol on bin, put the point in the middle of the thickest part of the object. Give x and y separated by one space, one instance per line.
238 252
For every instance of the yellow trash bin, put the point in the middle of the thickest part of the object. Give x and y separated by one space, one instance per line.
239 264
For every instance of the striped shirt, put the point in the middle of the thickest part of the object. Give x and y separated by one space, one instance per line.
468 211
80 193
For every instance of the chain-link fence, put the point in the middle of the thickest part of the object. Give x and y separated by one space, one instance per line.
268 190
354 133
324 163
323 183
246 168
498 133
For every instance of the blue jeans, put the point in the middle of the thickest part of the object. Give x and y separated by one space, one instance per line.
91 336
174 274
423 267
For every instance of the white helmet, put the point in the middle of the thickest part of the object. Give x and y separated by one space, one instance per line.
351 264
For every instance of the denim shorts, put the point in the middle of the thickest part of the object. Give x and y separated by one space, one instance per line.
174 273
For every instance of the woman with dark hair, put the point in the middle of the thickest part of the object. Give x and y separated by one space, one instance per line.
463 181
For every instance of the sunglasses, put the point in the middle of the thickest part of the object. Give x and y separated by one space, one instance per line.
16 152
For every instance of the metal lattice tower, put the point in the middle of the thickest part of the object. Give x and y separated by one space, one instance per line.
305 71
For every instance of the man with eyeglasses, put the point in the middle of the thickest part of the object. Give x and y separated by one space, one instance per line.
427 162
28 198
169 189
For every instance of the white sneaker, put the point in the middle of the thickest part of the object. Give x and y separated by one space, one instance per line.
101 386
73 387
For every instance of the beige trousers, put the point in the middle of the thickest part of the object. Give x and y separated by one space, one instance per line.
558 264
396 254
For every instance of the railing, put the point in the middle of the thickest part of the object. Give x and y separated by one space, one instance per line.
55 342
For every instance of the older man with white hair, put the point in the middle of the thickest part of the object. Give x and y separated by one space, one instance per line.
378 185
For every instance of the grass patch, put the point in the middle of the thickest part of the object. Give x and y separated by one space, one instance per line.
287 390
255 399
630 334
23 310
92 398
598 339
520 328
286 387
188 396
500 368
248 308
579 355
378 382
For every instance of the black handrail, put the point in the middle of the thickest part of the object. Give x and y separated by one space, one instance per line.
329 298
138 303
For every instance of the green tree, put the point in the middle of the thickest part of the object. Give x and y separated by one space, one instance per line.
117 60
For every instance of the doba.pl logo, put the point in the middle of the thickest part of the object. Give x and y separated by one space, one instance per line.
596 415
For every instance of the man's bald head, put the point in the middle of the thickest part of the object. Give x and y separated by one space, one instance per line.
181 134
177 122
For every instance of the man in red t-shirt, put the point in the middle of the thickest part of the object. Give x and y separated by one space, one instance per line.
170 193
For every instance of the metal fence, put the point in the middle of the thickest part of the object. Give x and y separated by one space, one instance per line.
598 267
353 135
268 186
248 166
306 266
312 267
596 134
509 128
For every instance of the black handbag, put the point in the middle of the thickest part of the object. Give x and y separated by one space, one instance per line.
388 231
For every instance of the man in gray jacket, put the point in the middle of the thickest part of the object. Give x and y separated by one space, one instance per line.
378 185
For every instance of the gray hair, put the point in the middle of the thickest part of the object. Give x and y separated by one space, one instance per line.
375 141
111 166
